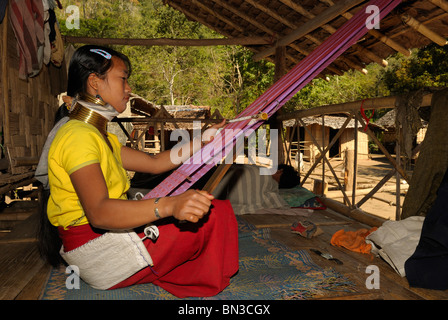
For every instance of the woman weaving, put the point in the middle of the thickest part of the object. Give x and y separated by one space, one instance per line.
116 242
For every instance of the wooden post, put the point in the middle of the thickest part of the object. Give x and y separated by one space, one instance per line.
397 175
323 148
350 171
355 162
320 187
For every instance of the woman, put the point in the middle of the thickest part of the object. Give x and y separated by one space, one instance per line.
88 183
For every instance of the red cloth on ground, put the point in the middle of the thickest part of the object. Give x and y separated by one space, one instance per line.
190 260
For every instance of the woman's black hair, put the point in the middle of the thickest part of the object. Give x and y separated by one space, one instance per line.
90 59
289 177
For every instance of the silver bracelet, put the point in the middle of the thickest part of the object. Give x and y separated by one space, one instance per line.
156 210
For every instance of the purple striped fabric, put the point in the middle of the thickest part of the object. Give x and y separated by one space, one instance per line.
273 99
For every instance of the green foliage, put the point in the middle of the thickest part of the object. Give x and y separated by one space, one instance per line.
351 86
427 67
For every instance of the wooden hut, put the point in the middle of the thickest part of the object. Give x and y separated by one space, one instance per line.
386 126
331 125
153 124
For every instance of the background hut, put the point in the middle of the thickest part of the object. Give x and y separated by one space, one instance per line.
386 126
332 124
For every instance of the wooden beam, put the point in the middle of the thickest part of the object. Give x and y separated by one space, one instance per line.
357 214
326 16
424 30
246 41
268 31
245 17
301 10
367 104
216 14
441 3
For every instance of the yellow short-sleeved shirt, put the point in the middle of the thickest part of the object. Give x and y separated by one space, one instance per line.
78 144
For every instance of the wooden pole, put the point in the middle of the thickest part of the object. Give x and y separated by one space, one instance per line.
274 123
368 104
350 170
168 42
441 3
376 188
383 149
355 161
333 141
424 30
323 162
356 214
397 176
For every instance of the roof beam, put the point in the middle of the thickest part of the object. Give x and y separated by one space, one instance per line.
326 16
383 38
441 3
246 41
299 9
262 27
424 30
293 26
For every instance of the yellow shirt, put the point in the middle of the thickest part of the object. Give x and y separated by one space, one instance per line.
78 144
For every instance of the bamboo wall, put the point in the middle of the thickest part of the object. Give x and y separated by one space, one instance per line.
27 113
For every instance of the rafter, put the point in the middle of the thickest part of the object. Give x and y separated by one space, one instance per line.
441 3
383 38
326 16
262 27
424 30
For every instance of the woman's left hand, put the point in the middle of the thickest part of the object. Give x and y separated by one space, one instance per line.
210 133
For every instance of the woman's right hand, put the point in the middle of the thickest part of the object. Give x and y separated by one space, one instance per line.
191 205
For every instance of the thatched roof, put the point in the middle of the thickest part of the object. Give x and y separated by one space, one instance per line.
387 121
273 20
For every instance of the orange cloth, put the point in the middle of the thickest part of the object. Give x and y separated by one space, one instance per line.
353 240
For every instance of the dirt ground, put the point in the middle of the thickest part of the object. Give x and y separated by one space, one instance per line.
370 172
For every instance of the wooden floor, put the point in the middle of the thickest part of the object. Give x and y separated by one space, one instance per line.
22 271
392 285
23 274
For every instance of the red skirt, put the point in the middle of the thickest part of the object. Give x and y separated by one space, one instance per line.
190 260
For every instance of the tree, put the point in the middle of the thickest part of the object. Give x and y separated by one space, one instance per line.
427 67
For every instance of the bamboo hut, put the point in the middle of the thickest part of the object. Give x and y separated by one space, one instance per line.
153 124
326 129
387 129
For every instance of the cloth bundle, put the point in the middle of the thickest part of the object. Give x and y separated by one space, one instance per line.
306 229
353 240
